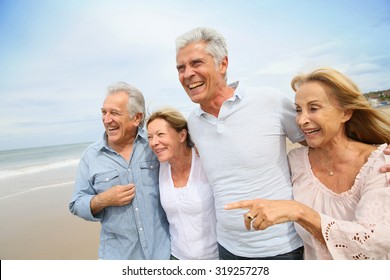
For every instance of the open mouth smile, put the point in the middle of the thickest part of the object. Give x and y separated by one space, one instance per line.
195 85
312 131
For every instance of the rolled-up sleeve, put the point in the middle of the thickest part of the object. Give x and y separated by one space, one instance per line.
80 204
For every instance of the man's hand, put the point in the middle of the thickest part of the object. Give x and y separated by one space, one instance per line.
118 195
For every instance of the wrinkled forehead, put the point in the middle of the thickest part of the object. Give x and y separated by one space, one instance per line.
116 100
314 90
192 50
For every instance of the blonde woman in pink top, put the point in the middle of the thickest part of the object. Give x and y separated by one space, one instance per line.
341 206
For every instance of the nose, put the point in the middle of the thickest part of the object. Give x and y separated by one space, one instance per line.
302 118
106 118
188 72
153 141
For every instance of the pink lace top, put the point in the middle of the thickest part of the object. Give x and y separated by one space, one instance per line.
356 223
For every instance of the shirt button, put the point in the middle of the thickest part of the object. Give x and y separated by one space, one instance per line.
136 209
140 228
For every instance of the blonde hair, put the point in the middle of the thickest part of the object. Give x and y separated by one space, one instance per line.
175 120
367 124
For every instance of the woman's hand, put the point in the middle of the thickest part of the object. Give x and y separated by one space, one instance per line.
265 213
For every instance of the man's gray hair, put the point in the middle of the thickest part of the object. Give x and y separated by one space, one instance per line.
136 103
216 44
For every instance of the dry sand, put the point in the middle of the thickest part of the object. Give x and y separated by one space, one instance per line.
386 110
37 225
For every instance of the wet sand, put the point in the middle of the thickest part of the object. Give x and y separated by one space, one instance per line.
37 225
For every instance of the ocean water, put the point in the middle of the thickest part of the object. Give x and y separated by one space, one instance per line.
25 170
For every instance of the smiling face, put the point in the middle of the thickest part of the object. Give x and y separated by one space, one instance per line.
318 114
120 128
165 140
198 74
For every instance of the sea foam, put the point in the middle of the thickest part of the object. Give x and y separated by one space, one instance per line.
38 168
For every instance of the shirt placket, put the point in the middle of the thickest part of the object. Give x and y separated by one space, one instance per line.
135 204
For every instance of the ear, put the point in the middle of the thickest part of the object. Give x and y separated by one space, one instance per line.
183 135
347 115
137 119
224 65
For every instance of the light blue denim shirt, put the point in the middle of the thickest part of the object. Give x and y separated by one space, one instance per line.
138 230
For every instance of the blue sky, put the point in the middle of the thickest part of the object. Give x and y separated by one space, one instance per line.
58 57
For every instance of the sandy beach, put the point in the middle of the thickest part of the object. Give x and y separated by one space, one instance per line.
37 225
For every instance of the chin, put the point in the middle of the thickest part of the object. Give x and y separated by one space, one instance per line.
112 140
161 158
312 145
195 100
195 97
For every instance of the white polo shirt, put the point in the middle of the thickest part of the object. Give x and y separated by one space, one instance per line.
243 152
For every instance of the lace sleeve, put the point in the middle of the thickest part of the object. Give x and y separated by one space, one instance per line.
368 236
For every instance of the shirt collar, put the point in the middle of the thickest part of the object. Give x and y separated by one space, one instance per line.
103 144
238 94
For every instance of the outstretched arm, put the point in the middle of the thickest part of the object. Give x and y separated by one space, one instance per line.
265 213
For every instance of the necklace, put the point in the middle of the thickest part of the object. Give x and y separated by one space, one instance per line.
330 172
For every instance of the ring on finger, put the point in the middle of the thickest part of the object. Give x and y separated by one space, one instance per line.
249 216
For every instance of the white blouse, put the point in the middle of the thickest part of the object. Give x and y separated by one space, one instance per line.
356 223
191 213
